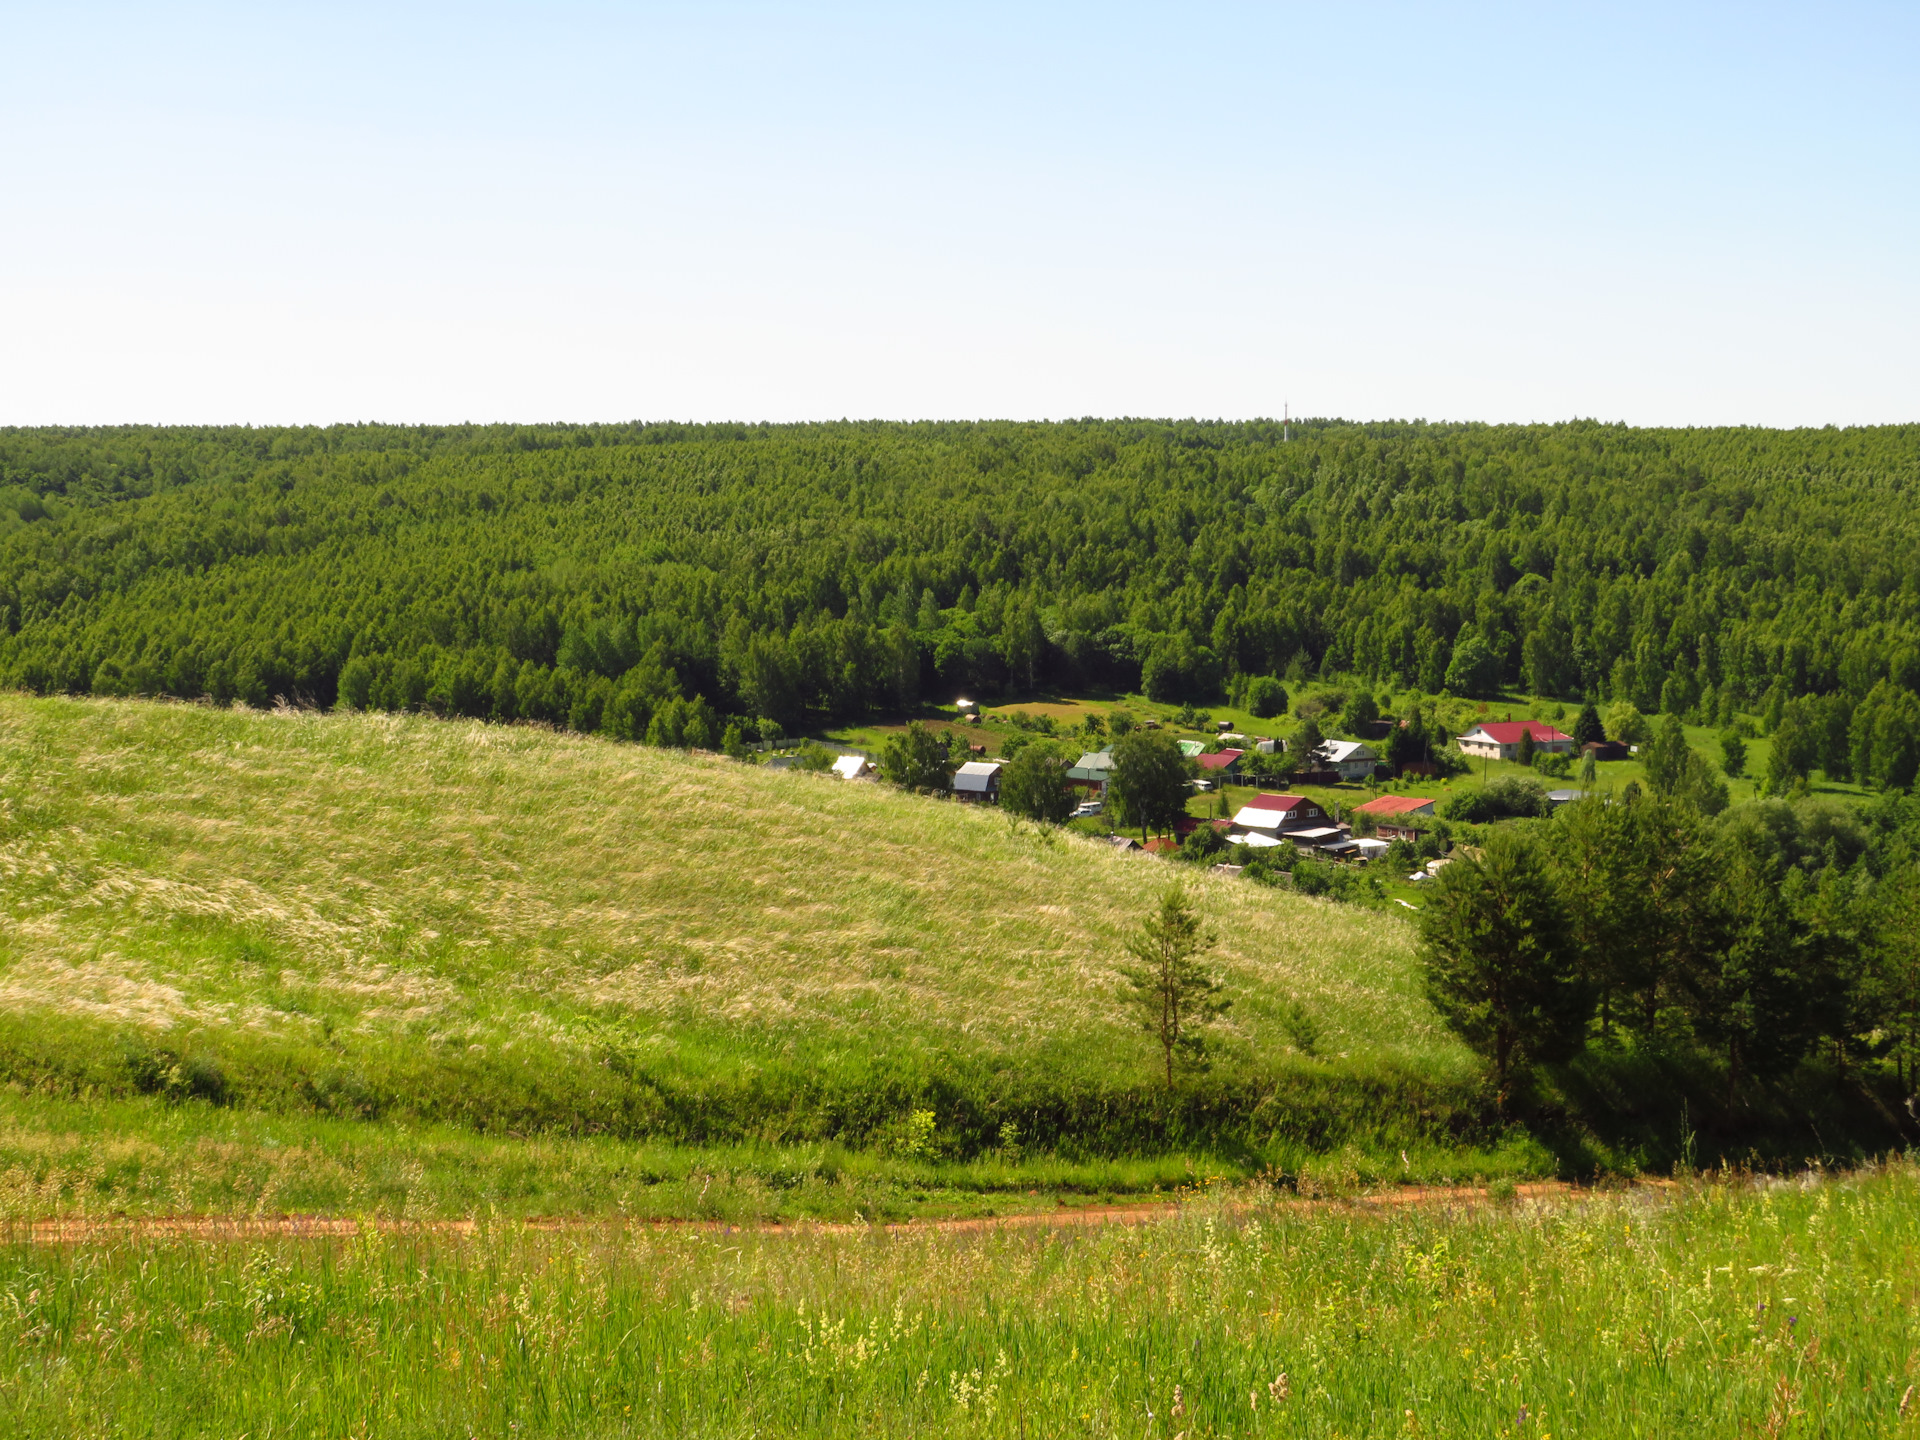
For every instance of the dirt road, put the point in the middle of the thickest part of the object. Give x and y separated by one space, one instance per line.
79 1229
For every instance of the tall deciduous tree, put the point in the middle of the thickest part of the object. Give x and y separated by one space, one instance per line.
1034 784
1666 758
1474 669
1174 995
1500 963
917 759
1148 789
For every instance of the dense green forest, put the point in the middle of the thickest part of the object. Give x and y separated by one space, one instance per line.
656 579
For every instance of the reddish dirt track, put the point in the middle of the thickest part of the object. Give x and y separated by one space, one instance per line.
78 1229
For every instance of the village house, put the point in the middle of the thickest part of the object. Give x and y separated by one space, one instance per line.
1399 817
1279 814
1220 765
978 782
1092 771
1349 759
1500 739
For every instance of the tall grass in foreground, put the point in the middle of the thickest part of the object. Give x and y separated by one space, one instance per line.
1730 1309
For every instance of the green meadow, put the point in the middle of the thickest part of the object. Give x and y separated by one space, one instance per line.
1721 1308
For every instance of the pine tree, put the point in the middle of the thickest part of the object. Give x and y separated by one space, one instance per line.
1733 752
1500 963
1168 988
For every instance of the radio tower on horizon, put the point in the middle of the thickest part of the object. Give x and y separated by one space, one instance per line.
1286 423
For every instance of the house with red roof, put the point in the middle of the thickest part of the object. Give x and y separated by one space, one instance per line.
1500 739
1278 814
1220 764
1399 817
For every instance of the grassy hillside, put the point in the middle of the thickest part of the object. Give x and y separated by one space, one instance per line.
514 930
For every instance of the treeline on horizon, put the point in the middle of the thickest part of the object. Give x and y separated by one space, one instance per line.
652 581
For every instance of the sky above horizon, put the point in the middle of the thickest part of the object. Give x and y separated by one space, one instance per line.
1694 214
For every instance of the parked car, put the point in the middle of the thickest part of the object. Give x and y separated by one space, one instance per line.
1086 808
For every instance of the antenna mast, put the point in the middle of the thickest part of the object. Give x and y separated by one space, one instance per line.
1286 423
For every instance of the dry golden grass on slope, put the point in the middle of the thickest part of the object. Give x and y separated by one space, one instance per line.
167 864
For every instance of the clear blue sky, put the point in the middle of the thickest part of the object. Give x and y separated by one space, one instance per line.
1662 213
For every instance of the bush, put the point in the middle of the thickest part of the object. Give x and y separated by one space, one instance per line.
1266 697
1627 726
1203 846
1336 882
1509 797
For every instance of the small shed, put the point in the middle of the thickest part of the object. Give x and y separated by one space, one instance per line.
1320 837
1605 750
977 782
853 767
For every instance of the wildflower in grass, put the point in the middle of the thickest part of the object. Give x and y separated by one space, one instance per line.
1179 1403
1280 1390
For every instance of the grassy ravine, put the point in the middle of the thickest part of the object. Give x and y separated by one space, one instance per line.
1777 1309
514 932
68 1158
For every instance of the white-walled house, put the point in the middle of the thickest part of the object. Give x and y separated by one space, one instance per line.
1352 759
1500 739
